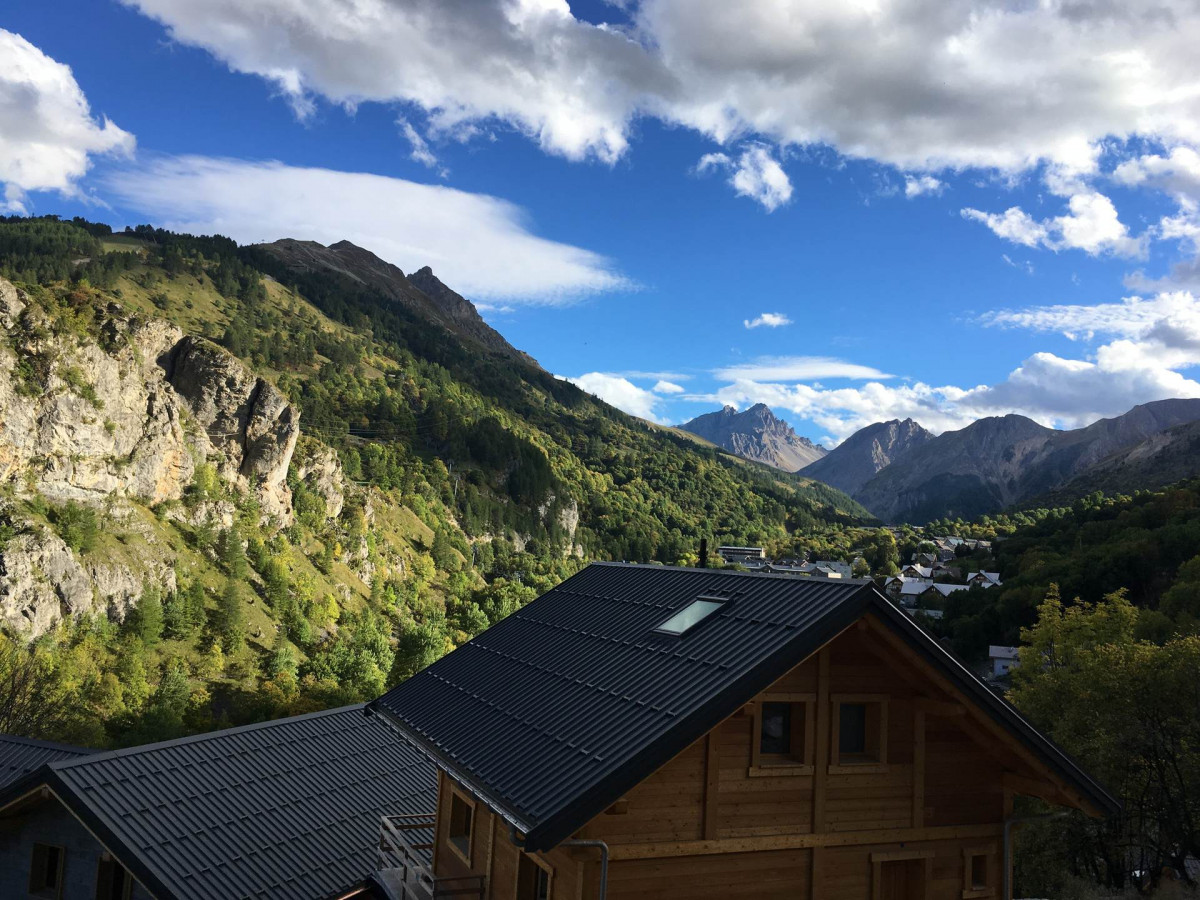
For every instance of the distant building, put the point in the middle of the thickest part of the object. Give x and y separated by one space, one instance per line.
914 571
741 554
984 579
1003 659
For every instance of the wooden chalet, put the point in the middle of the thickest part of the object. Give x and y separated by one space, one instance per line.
642 731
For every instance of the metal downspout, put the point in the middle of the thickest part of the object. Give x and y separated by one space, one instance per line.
1008 826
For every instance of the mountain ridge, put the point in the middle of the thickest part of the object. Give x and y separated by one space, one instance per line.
420 292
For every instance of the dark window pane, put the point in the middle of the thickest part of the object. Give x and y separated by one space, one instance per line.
460 824
852 728
776 734
979 872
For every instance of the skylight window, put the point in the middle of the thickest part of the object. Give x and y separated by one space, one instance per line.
690 616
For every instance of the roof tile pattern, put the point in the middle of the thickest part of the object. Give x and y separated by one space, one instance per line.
283 809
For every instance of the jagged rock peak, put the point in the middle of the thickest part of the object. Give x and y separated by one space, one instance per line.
756 434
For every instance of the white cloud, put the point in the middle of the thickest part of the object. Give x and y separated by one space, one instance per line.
47 132
916 185
478 244
770 320
1014 224
1178 172
755 174
621 393
667 387
796 368
1090 225
919 84
420 148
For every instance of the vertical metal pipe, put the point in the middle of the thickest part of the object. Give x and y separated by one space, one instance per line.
603 861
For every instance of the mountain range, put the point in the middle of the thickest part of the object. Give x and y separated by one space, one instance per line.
757 434
902 472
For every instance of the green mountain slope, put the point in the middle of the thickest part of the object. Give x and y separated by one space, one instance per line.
235 487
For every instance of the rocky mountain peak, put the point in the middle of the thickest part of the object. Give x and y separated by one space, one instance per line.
756 434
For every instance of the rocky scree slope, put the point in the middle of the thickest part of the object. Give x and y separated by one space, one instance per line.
756 434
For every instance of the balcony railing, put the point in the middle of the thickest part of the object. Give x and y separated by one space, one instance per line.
405 855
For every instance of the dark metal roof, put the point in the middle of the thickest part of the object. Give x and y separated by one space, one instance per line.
19 756
283 809
558 710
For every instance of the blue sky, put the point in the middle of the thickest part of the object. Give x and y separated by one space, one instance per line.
1005 222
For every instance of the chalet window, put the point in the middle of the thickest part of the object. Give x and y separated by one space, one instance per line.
46 870
977 872
533 879
859 732
112 881
462 815
784 734
687 618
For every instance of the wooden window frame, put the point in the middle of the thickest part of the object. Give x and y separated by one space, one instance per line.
57 890
544 866
838 766
969 889
878 859
454 848
776 765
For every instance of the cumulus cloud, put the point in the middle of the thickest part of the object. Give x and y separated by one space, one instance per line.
1178 172
47 132
919 84
667 387
622 393
770 320
480 245
796 368
755 174
1091 225
916 185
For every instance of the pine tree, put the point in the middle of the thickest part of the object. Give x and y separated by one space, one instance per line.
233 557
146 619
231 619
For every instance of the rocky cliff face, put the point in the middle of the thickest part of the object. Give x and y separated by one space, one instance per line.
123 416
855 461
758 435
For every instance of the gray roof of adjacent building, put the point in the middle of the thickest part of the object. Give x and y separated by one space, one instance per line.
20 756
289 808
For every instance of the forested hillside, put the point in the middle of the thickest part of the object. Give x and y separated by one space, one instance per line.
231 489
1146 544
